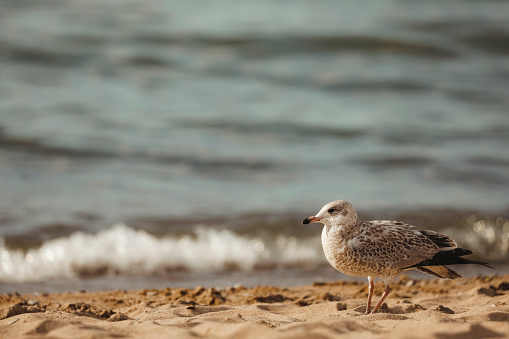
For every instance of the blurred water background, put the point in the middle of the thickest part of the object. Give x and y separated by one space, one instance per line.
163 143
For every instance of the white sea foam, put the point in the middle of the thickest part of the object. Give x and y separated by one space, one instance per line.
124 250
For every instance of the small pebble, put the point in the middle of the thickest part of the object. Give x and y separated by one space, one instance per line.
118 317
341 306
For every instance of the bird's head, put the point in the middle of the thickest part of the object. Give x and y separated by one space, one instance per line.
335 213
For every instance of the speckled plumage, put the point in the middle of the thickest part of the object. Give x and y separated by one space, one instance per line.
383 248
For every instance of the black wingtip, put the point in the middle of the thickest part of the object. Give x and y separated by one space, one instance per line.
452 257
459 252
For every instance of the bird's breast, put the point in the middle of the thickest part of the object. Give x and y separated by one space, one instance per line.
334 246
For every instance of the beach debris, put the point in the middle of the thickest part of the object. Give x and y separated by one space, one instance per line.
341 306
271 298
330 297
443 309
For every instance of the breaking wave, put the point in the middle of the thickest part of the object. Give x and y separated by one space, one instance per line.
122 250
125 251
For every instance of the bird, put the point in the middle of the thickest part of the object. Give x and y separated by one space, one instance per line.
384 248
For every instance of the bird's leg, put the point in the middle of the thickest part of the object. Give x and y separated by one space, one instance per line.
370 294
379 303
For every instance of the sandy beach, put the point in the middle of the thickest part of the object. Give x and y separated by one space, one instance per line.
158 159
468 308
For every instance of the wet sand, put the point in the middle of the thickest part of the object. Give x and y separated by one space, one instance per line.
468 308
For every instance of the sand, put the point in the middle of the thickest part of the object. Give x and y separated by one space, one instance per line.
467 308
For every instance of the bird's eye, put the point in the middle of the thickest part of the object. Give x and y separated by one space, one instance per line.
331 210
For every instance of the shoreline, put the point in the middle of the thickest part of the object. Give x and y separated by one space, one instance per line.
472 307
287 277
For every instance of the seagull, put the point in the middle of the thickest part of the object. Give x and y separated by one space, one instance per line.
384 248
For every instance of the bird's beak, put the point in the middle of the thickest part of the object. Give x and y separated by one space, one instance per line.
311 219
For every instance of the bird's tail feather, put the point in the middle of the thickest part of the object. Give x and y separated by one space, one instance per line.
452 257
440 272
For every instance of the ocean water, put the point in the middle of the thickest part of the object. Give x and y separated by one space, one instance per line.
174 138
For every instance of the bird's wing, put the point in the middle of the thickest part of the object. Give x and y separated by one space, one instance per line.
443 242
396 243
